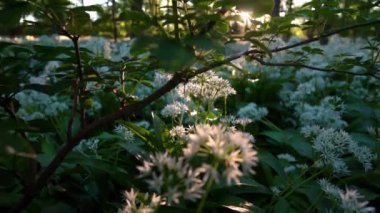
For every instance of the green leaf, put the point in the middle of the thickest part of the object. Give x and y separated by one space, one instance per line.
170 54
268 159
12 12
135 16
80 22
281 206
292 139
49 150
205 43
58 207
251 34
260 45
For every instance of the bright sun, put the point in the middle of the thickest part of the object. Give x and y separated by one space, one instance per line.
245 16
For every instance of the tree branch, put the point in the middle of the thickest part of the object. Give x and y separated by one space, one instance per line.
317 38
79 81
262 62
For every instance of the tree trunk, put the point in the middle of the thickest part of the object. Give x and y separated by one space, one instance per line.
276 8
114 22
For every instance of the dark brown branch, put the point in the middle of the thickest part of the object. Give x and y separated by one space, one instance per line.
79 81
317 38
73 113
299 65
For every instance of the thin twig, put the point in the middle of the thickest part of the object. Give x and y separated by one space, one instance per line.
295 64
80 83
175 16
317 38
73 113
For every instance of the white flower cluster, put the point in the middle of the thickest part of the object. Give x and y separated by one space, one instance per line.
99 46
332 145
121 50
172 177
160 79
230 154
230 119
206 87
349 199
327 114
37 105
178 131
242 121
46 76
233 149
252 111
124 132
141 204
290 163
364 88
90 144
286 156
174 109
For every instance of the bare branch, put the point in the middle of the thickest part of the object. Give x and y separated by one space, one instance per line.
295 64
317 38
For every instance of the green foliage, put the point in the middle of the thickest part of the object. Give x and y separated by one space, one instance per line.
91 99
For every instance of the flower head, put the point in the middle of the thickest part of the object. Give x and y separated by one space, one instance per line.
231 149
172 177
174 109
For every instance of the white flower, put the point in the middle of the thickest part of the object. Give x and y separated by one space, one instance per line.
329 188
289 169
311 131
286 156
229 119
350 202
252 111
172 177
233 149
99 46
124 132
332 145
348 199
363 154
141 204
160 79
207 87
302 166
243 121
37 105
174 109
275 190
91 144
178 131
327 114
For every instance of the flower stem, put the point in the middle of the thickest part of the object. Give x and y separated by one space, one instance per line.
209 184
